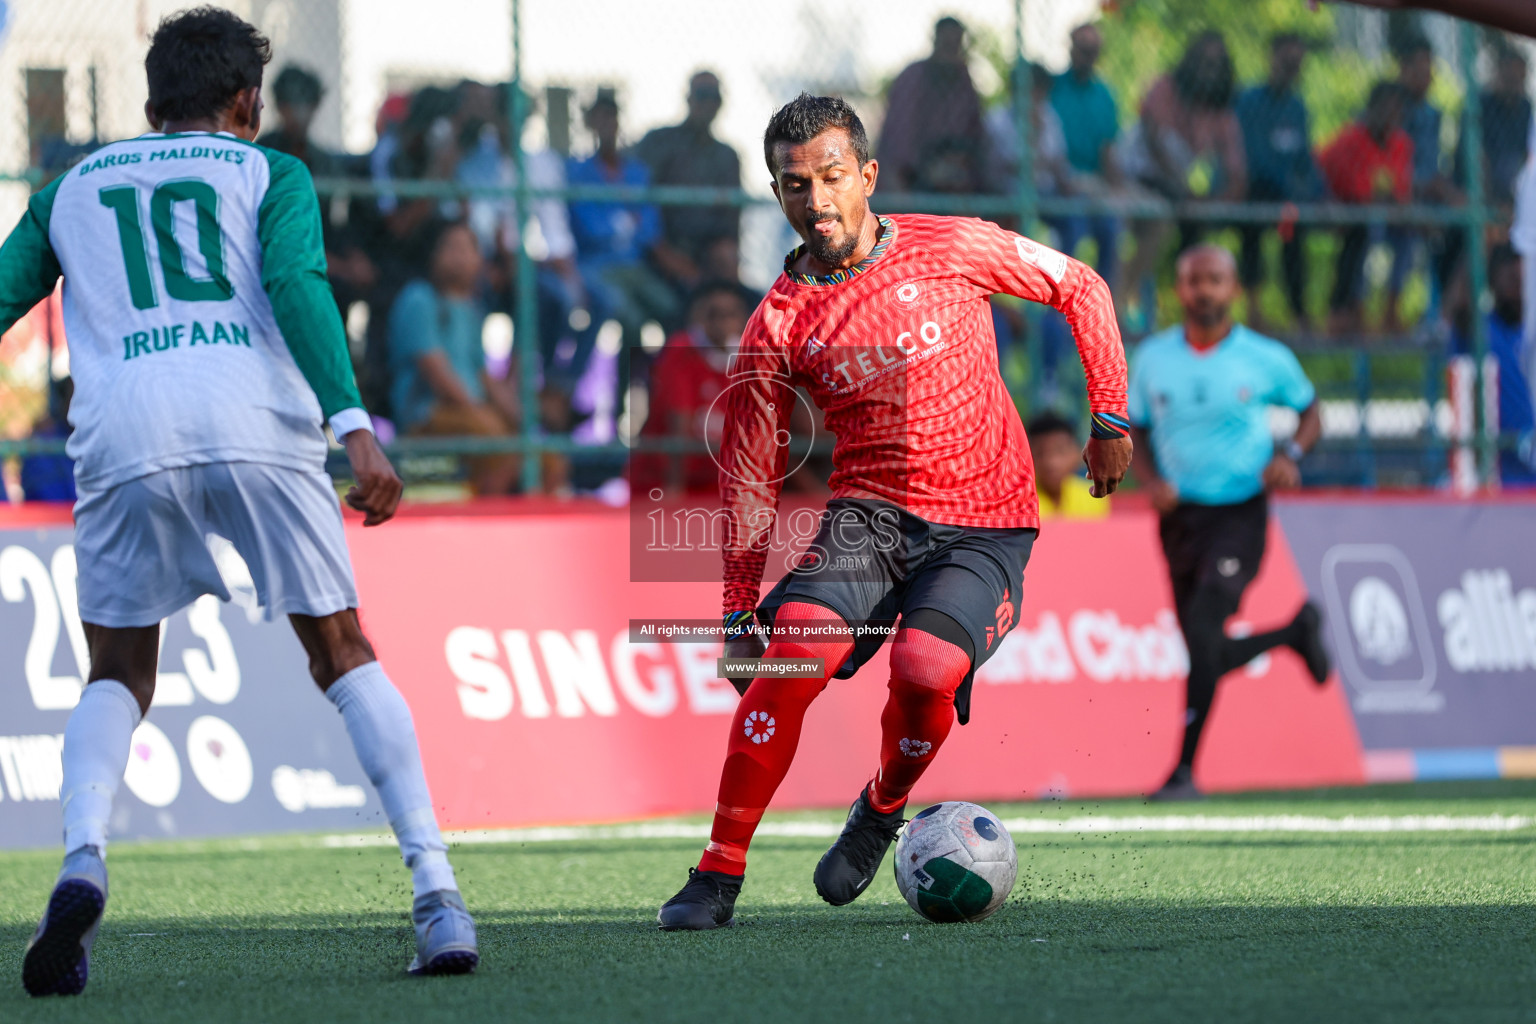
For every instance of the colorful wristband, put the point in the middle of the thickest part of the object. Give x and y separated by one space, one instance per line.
738 624
1106 426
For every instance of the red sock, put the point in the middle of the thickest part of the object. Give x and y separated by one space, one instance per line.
764 733
925 673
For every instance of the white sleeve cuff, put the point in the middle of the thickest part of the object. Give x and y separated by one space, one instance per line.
348 420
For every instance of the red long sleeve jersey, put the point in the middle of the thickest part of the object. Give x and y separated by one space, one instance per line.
900 354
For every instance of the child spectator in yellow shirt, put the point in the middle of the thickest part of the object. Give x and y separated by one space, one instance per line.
1058 454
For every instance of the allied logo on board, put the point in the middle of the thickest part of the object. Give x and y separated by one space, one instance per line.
1383 626
1385 649
1379 622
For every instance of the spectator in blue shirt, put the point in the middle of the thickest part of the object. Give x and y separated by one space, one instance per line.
440 386
1281 168
1090 122
51 477
1506 128
614 239
1507 346
1422 122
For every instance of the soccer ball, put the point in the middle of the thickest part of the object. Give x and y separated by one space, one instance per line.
955 862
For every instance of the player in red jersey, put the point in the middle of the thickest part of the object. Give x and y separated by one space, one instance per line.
885 321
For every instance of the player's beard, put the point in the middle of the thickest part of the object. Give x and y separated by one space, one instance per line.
824 249
1208 314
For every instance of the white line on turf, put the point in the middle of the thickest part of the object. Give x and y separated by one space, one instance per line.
1047 826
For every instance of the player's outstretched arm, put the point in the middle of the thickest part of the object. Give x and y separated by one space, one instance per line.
1001 261
28 267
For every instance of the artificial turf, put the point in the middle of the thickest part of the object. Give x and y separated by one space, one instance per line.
1102 926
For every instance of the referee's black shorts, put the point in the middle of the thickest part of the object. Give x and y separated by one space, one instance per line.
872 561
1214 547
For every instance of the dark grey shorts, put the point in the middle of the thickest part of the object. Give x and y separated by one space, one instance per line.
873 563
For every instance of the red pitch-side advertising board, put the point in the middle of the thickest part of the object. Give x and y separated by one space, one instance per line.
509 632
511 639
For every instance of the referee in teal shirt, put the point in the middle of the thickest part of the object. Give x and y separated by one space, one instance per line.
1199 409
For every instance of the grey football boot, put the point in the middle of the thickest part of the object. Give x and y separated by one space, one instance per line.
445 934
58 959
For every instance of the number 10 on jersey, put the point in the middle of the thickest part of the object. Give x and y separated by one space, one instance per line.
123 200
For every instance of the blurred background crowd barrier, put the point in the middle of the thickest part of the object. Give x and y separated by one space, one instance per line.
548 221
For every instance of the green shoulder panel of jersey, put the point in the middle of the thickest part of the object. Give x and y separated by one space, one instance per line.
29 269
294 277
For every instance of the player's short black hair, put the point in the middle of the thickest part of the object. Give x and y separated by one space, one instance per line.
295 84
1047 423
805 117
200 60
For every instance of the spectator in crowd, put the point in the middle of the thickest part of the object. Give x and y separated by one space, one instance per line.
1053 177
1058 456
1506 110
689 154
486 162
425 148
437 360
933 139
1370 161
1422 122
297 92
1507 345
398 232
689 374
1188 145
614 239
1090 122
51 477
1277 138
722 262
1048 144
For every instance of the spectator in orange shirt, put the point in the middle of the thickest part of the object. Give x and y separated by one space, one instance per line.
1371 161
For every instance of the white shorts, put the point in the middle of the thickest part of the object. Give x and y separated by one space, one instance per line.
143 547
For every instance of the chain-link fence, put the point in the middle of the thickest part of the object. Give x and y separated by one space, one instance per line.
547 192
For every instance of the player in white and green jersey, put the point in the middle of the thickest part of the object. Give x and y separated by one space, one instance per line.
207 353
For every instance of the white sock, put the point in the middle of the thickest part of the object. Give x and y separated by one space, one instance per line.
384 736
96 742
